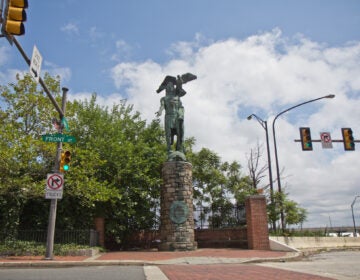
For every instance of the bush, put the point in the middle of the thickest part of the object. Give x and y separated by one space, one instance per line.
31 248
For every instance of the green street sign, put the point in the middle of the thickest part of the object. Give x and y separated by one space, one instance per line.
58 138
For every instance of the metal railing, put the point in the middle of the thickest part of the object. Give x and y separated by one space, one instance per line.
80 237
221 217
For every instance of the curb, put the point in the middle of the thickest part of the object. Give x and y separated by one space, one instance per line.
179 261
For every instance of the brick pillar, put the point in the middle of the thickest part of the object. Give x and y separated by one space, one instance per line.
257 223
177 218
100 228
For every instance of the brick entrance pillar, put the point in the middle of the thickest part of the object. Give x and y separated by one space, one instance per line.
257 223
100 228
177 218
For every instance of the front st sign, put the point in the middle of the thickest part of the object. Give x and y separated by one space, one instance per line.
58 138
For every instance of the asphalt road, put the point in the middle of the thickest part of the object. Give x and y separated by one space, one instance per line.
342 265
74 273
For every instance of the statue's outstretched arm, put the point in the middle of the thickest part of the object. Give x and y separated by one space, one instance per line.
162 107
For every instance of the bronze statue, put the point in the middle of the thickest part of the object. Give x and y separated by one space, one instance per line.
174 113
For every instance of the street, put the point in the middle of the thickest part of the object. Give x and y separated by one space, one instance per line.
343 265
74 273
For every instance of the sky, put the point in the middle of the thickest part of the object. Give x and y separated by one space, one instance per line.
250 57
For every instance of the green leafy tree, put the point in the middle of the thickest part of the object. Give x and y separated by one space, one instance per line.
216 185
115 167
24 160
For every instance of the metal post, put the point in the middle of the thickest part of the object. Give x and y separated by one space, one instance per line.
53 202
352 211
276 156
264 125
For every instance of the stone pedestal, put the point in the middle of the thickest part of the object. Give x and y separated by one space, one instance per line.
177 218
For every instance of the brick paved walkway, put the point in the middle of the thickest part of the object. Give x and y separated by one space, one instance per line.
232 272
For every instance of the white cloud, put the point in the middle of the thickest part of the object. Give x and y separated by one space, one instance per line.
70 28
55 70
265 74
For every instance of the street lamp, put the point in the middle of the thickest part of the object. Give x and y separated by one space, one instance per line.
275 149
352 210
264 125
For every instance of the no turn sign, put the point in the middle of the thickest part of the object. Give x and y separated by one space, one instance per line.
54 186
326 140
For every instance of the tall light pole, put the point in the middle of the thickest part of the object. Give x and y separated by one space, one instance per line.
264 125
352 211
276 156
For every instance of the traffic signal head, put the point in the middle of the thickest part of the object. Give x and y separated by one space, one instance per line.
65 161
348 138
305 137
14 15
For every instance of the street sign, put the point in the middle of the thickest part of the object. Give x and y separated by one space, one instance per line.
326 141
54 186
58 137
35 65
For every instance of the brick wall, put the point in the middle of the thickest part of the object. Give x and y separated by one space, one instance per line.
221 238
254 236
257 224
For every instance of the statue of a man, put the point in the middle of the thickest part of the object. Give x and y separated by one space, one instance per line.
174 112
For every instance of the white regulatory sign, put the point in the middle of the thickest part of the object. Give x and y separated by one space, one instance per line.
54 186
35 65
326 140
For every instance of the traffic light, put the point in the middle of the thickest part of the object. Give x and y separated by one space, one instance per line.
65 161
14 15
305 137
348 138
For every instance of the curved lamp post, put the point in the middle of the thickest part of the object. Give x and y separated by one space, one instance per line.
275 149
264 125
352 211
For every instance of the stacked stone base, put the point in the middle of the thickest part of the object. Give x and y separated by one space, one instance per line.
177 218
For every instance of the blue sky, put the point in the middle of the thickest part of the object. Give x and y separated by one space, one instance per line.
250 57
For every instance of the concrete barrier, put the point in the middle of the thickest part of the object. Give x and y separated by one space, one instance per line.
314 242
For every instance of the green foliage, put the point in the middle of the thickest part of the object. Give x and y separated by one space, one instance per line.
31 248
115 167
21 248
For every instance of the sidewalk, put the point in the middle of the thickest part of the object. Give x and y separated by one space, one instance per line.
200 256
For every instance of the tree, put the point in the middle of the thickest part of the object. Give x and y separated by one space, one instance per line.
294 214
24 160
255 169
216 185
115 167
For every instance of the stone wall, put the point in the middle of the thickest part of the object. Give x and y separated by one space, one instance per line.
177 218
